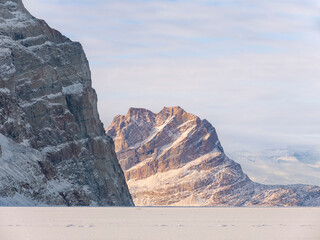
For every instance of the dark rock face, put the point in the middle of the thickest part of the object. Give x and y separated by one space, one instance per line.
47 104
175 158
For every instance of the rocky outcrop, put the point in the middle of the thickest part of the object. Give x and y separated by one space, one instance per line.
175 158
48 108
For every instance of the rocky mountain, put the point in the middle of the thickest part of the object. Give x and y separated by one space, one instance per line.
54 150
292 164
175 158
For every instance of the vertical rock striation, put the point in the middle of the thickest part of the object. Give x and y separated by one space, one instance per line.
49 109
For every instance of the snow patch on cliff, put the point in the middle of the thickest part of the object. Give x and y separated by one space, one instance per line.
76 88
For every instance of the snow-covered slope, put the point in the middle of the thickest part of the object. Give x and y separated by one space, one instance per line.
22 177
175 158
289 165
54 148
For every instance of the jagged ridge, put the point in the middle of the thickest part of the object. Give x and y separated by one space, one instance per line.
175 158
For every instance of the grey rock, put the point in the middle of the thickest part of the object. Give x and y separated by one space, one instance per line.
47 104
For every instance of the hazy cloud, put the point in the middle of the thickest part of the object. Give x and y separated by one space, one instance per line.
250 67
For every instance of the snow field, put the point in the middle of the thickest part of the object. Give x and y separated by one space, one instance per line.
155 223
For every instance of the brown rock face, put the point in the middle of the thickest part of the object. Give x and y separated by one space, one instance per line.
47 104
136 142
175 158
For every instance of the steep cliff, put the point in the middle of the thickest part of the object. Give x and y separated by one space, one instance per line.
48 110
175 158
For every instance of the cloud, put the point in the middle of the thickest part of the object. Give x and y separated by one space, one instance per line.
249 67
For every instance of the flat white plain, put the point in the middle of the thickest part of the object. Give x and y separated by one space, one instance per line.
149 223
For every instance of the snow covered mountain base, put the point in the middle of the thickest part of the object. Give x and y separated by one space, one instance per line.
22 178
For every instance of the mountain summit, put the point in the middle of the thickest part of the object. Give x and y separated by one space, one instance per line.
175 158
54 150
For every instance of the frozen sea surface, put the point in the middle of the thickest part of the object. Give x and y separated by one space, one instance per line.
165 223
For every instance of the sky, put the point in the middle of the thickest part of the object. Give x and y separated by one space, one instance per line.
251 68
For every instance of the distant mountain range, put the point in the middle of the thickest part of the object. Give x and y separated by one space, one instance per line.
281 166
175 158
